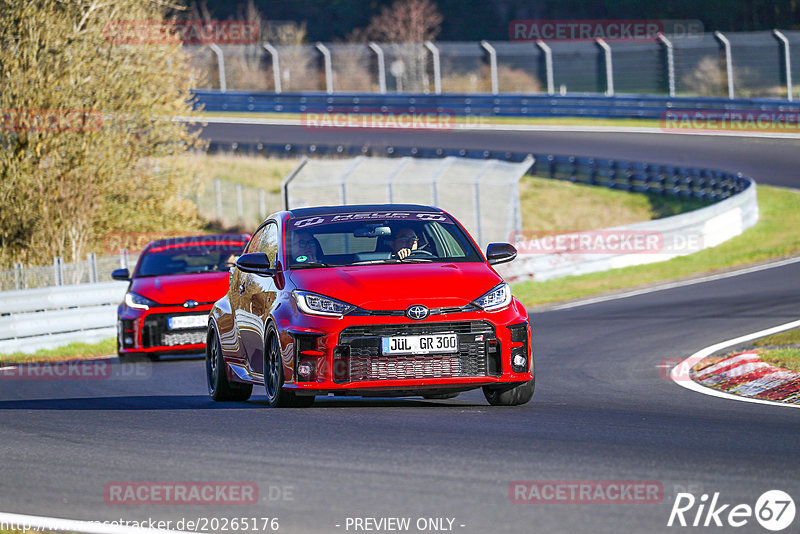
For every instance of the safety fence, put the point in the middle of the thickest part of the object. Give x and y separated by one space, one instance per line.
715 64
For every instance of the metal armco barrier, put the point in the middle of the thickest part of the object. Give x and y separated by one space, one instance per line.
631 176
509 105
50 317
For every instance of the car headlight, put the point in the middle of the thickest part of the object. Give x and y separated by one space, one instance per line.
314 304
139 302
496 298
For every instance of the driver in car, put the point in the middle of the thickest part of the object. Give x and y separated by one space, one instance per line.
304 248
404 243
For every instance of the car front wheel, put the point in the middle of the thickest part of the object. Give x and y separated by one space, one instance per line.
274 379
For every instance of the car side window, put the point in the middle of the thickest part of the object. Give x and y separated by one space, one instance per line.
268 242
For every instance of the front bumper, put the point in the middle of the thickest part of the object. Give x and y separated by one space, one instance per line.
149 332
346 357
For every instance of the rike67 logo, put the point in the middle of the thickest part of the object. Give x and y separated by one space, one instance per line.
774 510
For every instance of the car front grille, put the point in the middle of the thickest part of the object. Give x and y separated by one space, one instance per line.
359 357
156 334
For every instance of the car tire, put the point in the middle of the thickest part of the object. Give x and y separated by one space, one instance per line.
274 378
510 396
219 387
513 395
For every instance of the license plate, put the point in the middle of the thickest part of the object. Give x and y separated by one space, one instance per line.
427 344
186 321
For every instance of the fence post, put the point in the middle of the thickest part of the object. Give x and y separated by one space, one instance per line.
670 63
289 177
437 67
787 62
239 203
262 204
443 166
123 258
218 189
726 45
346 174
609 66
92 259
492 64
58 271
276 66
392 175
381 67
326 54
548 65
223 86
19 276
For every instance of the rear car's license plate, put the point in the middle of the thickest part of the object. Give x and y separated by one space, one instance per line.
186 321
426 344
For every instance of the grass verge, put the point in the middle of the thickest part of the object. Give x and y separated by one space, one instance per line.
774 236
781 349
73 351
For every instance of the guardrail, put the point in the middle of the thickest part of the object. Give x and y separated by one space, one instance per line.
623 175
510 105
50 317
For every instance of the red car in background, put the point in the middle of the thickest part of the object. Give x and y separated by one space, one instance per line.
172 289
373 300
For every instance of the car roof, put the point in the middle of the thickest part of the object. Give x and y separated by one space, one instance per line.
360 208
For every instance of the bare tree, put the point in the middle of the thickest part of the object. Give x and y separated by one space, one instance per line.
406 21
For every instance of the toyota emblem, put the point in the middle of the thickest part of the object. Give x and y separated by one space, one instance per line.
417 312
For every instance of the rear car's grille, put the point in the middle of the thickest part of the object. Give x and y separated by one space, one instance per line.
359 356
156 334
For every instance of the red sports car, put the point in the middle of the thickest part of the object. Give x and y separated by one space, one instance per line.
173 287
383 300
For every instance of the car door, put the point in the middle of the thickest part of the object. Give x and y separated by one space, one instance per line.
234 350
258 293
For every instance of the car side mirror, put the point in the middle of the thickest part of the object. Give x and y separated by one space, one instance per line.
255 263
121 274
500 253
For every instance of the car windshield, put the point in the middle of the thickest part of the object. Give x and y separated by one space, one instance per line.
376 238
169 260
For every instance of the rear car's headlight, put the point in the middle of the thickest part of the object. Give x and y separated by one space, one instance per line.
496 298
132 300
314 304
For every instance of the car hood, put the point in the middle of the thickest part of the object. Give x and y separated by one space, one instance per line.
397 286
178 288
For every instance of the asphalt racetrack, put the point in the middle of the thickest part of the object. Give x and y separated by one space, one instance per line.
603 409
